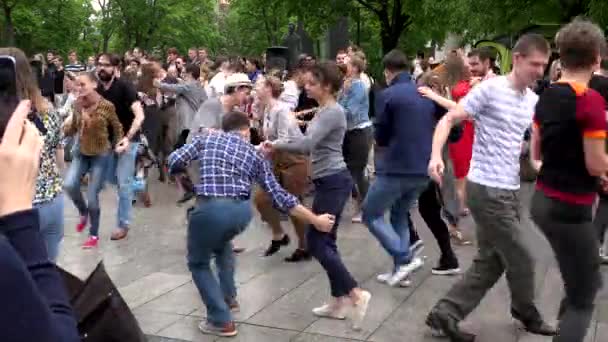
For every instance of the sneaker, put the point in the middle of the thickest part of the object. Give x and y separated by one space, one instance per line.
91 242
360 309
225 330
385 277
357 218
82 224
330 311
603 256
405 270
416 248
446 268
275 245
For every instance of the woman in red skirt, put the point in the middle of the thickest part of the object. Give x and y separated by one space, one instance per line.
462 150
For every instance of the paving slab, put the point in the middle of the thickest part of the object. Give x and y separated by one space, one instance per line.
149 268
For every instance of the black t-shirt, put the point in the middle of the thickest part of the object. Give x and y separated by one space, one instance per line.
122 95
600 84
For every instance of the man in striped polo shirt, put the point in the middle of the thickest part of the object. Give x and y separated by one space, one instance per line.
502 109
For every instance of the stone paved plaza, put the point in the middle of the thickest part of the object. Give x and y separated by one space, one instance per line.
276 298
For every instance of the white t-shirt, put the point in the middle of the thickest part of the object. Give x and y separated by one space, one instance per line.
501 114
217 84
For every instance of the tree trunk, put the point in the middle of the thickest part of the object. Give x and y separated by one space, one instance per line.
9 29
389 36
106 42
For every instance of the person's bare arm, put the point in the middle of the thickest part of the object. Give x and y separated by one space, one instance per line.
440 100
138 111
323 223
535 151
442 131
596 159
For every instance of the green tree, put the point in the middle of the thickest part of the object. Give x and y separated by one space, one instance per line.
36 26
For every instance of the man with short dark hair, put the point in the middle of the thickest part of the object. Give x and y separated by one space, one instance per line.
193 57
502 110
190 97
341 57
75 66
403 130
203 57
480 63
131 115
229 165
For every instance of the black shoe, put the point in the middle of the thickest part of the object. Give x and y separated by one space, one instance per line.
299 255
535 326
275 245
187 196
446 267
442 325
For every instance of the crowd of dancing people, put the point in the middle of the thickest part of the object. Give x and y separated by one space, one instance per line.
446 137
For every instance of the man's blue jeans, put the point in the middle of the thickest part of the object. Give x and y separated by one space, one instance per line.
51 225
96 167
211 227
398 195
122 173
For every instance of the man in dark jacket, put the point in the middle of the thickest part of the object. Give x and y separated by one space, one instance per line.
404 131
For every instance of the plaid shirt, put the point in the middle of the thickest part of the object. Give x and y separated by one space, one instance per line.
228 167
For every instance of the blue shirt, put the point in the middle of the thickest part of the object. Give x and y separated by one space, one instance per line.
403 128
355 101
228 167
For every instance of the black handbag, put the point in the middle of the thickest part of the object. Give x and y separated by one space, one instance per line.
101 312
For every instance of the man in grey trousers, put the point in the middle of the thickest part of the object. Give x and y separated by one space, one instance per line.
502 108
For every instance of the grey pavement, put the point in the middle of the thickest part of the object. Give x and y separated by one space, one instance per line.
276 298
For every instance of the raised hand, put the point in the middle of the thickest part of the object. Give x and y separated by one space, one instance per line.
20 157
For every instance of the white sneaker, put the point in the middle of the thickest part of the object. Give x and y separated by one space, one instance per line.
405 270
417 248
385 277
330 311
360 309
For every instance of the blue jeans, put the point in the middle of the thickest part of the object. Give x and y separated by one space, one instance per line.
397 194
122 172
96 166
331 194
51 225
211 227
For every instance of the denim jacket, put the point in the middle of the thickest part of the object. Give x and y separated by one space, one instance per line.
355 101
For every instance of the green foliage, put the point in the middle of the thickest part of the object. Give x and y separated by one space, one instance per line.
248 27
57 24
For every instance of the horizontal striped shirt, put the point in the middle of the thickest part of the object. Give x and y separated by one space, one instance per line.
501 114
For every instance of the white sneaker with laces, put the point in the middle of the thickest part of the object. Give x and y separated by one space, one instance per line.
405 270
385 277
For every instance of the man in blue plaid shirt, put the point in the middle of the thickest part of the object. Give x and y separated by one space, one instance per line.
229 165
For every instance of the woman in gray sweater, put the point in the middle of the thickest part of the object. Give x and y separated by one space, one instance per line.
333 185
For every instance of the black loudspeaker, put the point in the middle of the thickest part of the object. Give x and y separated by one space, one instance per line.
277 57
